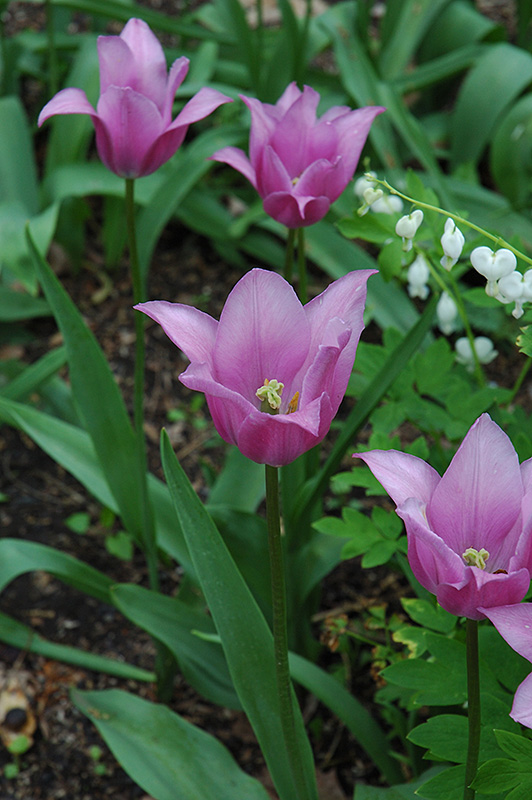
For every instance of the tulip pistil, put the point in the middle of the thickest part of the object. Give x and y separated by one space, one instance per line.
476 558
270 395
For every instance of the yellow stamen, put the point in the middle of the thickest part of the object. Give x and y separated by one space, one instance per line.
292 405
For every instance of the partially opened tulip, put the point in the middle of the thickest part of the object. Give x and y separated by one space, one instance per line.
514 623
135 132
469 532
300 164
273 371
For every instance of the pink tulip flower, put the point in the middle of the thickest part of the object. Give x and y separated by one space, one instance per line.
135 133
299 164
514 623
469 532
273 371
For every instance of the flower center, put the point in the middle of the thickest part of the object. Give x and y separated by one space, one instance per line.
476 558
270 396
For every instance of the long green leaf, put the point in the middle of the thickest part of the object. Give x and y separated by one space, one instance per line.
362 725
18 635
15 306
412 22
169 758
365 405
73 449
173 623
99 400
19 556
18 173
246 638
31 378
498 78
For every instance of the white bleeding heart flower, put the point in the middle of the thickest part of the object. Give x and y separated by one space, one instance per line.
452 242
483 348
365 182
388 204
446 312
418 275
493 266
510 290
407 227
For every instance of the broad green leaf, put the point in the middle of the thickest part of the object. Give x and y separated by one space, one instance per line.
73 449
167 756
438 69
14 254
240 483
99 401
519 747
360 722
497 775
402 791
16 306
511 153
428 614
15 634
31 378
18 557
174 623
249 656
498 78
18 173
410 26
446 785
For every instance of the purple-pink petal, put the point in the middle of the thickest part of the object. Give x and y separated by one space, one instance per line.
200 106
263 334
522 705
294 211
514 623
237 159
402 475
176 76
67 101
191 330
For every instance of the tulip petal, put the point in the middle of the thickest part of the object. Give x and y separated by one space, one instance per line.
526 474
150 61
200 106
295 212
263 334
514 623
191 330
352 130
134 123
117 63
477 501
271 174
319 377
522 705
403 476
264 119
432 561
67 101
292 135
176 76
237 159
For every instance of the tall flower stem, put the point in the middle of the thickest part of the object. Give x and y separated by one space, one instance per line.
473 706
289 255
302 266
280 636
165 666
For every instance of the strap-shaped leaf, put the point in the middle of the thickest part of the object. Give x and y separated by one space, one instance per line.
246 638
167 756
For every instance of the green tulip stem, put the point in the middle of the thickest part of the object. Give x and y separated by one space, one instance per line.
473 706
302 266
165 666
289 255
280 635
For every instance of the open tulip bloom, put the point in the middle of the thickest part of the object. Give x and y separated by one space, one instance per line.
273 371
469 532
135 133
300 164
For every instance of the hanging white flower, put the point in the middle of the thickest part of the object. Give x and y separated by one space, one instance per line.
418 274
483 347
387 204
493 266
447 313
407 227
452 242
510 290
365 182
